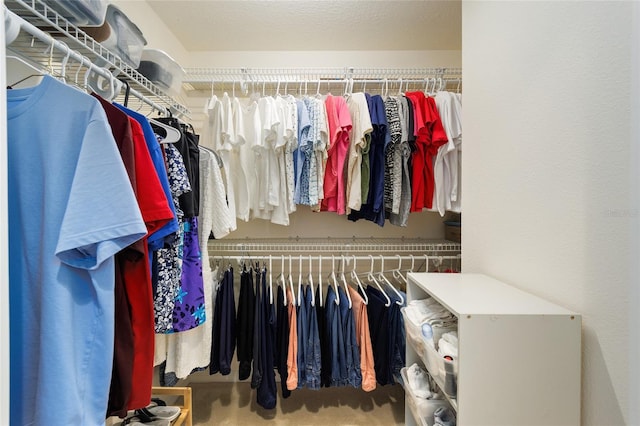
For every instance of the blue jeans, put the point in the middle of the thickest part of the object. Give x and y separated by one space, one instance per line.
312 348
354 374
335 333
303 331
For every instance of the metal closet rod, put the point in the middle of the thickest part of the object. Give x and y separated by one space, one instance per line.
72 54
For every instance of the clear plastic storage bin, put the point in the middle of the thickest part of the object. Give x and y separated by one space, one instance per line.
121 36
162 70
433 361
81 12
422 409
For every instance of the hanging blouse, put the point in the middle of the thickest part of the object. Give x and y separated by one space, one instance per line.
168 265
393 159
359 139
340 124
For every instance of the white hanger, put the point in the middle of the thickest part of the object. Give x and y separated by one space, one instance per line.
397 273
332 278
386 281
63 64
354 276
281 281
344 283
310 279
270 281
372 278
290 279
173 134
300 281
320 280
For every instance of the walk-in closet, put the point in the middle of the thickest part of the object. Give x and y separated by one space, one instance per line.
251 212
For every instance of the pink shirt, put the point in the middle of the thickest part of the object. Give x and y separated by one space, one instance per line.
339 121
292 353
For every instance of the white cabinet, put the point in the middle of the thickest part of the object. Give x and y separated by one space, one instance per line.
519 359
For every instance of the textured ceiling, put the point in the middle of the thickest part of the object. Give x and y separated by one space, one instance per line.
241 25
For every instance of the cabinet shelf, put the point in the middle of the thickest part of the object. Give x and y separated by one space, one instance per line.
518 355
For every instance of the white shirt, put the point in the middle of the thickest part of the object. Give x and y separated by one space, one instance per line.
359 111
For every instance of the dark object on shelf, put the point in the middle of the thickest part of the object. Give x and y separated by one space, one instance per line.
453 231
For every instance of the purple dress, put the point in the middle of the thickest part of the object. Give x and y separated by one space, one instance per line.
189 311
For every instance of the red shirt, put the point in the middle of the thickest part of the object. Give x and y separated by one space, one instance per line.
155 212
430 135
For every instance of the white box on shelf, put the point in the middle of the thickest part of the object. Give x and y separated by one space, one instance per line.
162 70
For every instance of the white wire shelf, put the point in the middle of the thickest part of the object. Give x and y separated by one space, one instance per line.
317 79
48 20
335 246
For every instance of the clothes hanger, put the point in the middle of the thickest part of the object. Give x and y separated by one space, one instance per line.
172 134
372 278
300 281
290 278
320 293
40 72
354 276
63 63
333 279
310 279
281 281
386 281
344 282
397 273
212 152
270 281
426 263
77 74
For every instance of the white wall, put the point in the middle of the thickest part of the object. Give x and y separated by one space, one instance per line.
310 59
548 171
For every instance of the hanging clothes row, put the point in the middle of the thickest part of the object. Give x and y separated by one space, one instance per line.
308 327
111 244
365 156
311 339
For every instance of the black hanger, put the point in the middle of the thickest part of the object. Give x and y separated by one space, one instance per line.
24 79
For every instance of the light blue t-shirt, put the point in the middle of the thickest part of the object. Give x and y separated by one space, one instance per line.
71 209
